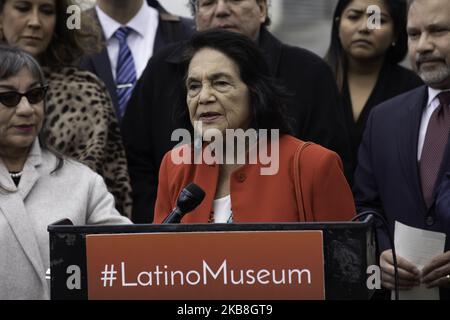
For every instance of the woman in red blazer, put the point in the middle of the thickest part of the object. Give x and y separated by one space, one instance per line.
228 86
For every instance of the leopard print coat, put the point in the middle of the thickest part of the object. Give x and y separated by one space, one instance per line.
81 124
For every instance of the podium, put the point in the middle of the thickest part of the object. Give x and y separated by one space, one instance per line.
264 261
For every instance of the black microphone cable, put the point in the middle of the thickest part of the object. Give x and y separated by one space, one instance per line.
391 241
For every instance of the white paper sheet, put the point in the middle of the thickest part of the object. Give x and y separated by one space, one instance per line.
418 247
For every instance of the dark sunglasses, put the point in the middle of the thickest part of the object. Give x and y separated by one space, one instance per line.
12 98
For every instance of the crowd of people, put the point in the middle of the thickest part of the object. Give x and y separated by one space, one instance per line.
88 118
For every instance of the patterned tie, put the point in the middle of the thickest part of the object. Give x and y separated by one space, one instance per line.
434 146
126 72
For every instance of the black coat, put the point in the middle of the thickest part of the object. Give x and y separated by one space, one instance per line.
148 121
392 81
171 29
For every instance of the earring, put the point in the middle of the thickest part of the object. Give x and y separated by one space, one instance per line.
394 44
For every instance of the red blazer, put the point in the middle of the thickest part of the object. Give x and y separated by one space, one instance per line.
258 198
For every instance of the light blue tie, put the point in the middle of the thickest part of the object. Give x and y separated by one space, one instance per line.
126 71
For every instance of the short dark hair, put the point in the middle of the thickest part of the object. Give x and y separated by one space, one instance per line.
335 56
12 61
68 46
268 99
193 6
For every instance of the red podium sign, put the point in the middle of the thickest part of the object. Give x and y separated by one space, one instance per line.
257 265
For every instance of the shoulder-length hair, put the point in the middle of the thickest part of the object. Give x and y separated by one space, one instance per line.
268 99
336 56
68 45
12 61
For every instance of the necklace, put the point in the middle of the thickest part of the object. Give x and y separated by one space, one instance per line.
16 174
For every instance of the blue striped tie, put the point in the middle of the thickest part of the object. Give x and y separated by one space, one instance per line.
126 72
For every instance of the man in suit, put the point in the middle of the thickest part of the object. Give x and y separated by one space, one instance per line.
405 151
150 28
148 123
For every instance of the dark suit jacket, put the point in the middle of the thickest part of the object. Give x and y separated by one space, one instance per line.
171 28
387 178
148 122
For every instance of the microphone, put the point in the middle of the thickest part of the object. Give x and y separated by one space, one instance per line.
190 197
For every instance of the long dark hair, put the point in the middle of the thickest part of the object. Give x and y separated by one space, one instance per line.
68 46
268 99
336 56
12 61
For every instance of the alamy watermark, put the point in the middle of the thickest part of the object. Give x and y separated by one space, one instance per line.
236 146
74 20
374 21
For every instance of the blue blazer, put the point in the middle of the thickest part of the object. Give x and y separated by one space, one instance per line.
171 28
387 178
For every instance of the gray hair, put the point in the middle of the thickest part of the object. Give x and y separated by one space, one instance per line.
13 60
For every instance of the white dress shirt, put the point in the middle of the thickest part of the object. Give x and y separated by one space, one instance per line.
433 104
222 210
141 40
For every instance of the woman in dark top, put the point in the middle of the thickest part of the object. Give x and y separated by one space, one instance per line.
365 59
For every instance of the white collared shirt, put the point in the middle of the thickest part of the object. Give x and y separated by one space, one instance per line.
433 104
222 210
141 40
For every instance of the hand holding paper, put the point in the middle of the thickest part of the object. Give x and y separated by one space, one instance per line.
420 247
435 274
408 274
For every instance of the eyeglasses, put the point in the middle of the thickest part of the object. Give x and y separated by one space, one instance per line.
12 98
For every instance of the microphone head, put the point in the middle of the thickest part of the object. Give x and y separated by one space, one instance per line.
190 197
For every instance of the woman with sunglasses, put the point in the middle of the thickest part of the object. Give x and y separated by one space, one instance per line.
37 186
82 121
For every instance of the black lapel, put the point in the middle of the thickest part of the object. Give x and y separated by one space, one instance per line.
408 137
102 65
160 41
103 70
169 27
